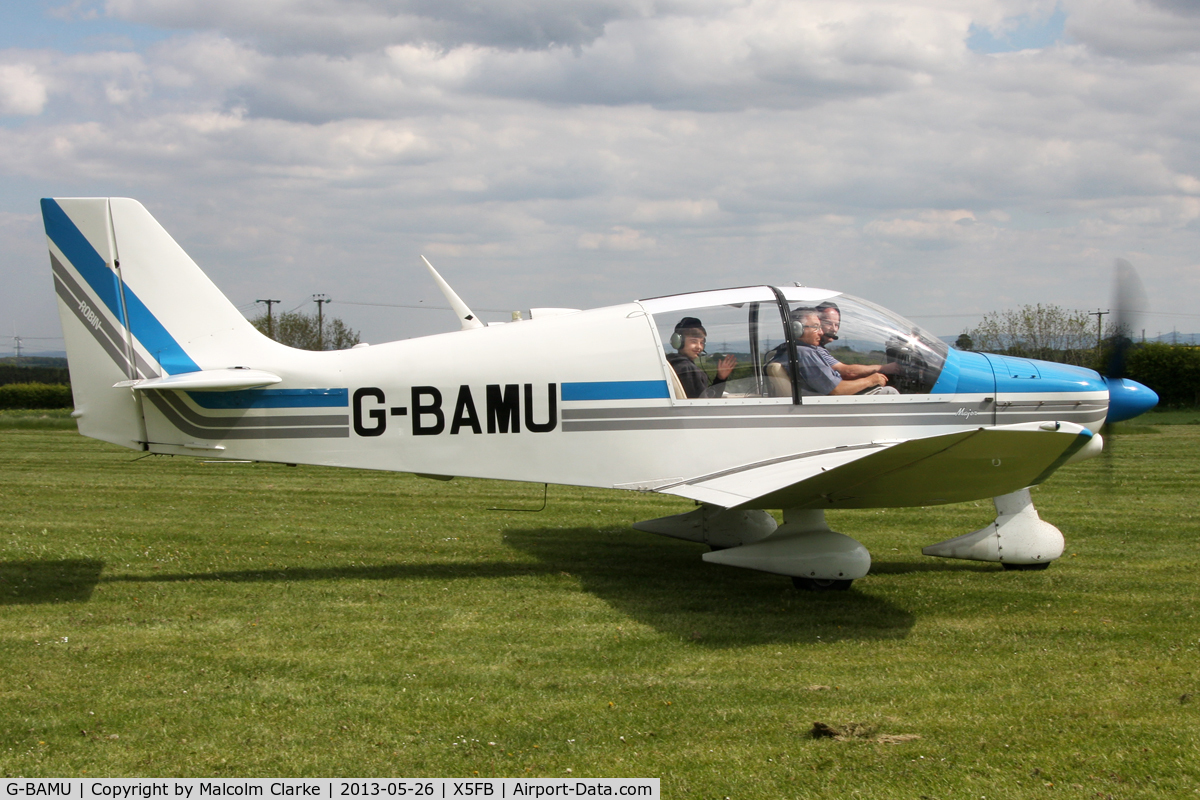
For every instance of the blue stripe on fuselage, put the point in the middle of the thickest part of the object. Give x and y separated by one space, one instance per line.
92 267
616 390
273 398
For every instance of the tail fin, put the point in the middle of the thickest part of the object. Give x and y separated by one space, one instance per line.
133 306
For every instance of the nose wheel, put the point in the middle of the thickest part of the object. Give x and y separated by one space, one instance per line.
820 584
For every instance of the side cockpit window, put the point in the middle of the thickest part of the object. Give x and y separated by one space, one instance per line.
720 351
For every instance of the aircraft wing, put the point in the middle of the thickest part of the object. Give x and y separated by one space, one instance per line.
950 468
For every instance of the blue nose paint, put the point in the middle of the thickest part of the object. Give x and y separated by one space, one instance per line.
1127 399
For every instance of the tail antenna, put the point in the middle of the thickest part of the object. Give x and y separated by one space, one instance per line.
466 317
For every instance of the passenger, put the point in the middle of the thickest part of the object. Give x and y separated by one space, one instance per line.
817 376
831 323
689 339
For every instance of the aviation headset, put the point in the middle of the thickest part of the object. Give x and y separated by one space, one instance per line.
682 327
796 320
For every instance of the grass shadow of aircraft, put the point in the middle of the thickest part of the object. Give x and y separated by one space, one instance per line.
28 582
60 581
882 567
660 583
664 584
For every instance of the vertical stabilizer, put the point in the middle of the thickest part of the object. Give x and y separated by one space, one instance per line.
133 305
180 320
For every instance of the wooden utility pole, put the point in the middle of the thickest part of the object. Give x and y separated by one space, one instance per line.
270 321
321 300
1099 315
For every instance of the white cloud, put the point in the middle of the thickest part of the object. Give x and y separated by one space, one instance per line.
1144 30
22 90
619 238
341 26
933 227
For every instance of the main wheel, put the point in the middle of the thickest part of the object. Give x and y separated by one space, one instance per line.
820 584
1040 565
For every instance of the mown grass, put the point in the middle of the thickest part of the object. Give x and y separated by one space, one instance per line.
170 617
36 419
1170 416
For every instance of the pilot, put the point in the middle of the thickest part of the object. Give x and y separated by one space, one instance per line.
831 323
817 376
688 339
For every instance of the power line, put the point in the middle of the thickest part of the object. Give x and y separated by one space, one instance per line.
1168 314
402 305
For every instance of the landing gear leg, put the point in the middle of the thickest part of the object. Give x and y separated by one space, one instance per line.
1018 538
806 550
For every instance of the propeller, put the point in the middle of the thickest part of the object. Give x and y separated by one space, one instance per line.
1129 304
1126 399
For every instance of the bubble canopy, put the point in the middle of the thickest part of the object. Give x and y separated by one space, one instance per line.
755 327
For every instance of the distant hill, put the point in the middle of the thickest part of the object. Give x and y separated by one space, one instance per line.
1177 338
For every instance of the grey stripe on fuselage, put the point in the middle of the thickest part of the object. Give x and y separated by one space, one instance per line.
165 402
939 413
274 421
1084 412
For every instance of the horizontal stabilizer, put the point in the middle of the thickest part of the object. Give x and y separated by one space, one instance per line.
951 468
208 380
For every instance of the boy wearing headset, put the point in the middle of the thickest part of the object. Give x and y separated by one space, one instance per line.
689 339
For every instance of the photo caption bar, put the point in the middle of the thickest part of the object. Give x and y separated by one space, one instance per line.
329 788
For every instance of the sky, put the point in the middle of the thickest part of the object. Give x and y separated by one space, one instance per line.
944 158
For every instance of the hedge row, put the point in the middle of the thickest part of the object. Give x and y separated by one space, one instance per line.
35 395
13 374
1173 372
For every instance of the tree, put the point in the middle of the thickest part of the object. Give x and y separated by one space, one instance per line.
964 342
1044 332
296 329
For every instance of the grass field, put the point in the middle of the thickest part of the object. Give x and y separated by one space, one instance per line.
171 617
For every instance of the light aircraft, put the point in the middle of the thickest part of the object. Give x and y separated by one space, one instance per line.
162 362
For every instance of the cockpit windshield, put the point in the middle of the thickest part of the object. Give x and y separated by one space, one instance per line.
741 344
856 331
